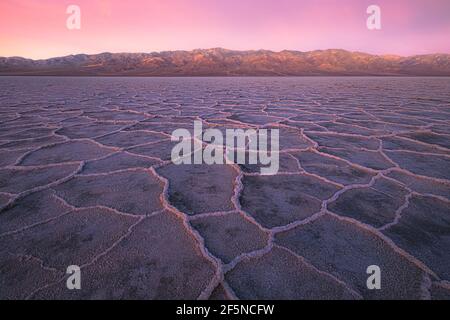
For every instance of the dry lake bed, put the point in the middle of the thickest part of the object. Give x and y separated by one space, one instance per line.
86 180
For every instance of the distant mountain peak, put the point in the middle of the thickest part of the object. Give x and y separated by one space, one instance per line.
225 62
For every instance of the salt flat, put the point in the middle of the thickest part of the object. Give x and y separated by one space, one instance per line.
86 179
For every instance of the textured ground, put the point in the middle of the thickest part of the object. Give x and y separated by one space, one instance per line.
86 179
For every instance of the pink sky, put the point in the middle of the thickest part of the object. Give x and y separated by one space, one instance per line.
37 28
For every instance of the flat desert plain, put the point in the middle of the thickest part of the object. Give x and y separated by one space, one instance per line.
86 179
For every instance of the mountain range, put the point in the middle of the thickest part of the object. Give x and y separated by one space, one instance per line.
223 62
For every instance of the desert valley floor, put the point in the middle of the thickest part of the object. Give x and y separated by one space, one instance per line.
86 179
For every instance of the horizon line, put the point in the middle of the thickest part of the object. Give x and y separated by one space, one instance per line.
226 49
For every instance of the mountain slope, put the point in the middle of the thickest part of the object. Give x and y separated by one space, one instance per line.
222 62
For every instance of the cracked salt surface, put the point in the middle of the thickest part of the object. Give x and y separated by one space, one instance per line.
86 178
